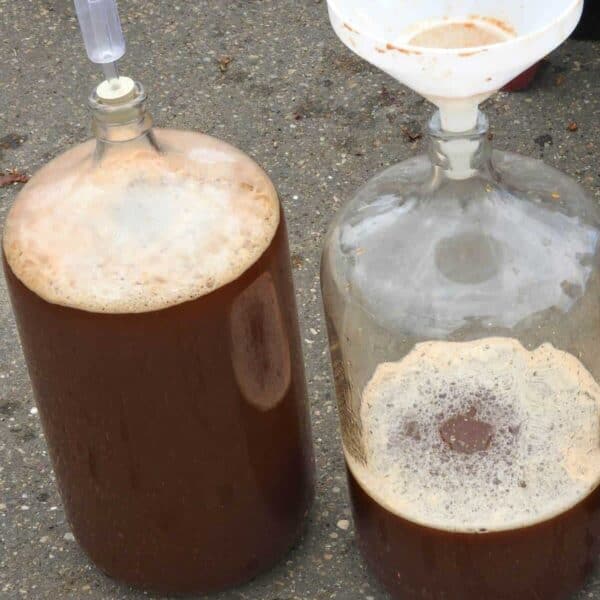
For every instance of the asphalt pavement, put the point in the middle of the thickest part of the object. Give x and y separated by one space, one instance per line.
270 77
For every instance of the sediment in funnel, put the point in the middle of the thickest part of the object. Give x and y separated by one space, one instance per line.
467 34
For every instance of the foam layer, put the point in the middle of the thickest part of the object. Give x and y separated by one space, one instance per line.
480 436
144 232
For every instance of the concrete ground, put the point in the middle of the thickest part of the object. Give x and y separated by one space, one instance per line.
270 77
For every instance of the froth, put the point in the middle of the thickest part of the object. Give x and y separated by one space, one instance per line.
538 450
144 232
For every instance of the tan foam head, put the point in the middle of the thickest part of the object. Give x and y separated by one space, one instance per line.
144 232
480 436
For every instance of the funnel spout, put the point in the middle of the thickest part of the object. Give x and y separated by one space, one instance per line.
458 115
460 155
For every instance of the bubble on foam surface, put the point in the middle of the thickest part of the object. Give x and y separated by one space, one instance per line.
145 231
543 456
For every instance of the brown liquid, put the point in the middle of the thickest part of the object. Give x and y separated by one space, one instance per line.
547 561
180 438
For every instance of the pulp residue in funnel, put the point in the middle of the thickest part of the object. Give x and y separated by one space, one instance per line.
467 34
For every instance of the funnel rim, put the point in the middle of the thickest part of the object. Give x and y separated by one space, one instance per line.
334 5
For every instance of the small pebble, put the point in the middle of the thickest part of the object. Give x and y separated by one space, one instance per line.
343 524
2 506
69 537
44 539
24 507
33 411
328 556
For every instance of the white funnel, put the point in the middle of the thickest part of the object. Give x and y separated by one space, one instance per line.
456 53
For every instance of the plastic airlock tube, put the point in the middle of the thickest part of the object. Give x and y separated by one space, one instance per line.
104 43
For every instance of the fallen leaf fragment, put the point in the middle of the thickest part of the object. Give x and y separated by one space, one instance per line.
13 177
224 62
412 134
